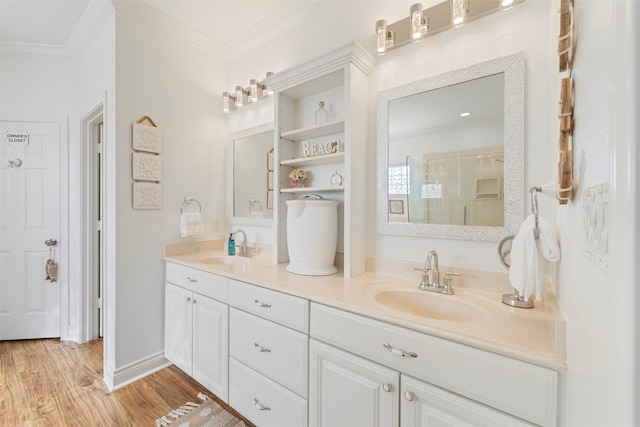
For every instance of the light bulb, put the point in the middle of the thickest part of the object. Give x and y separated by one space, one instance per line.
416 17
381 37
239 97
459 10
253 90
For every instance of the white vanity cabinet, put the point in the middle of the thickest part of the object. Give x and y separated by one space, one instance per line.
340 80
268 356
448 383
347 390
196 326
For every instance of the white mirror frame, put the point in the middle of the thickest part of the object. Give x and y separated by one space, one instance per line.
235 220
513 68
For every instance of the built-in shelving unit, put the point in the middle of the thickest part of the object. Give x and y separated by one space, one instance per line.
340 80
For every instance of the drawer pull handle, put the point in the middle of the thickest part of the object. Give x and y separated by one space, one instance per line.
408 396
192 280
261 304
260 406
399 352
260 348
386 387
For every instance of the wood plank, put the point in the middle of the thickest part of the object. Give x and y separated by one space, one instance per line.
52 382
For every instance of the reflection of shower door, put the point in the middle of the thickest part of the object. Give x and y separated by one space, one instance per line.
415 208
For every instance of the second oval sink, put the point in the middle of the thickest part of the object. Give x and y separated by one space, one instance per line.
432 306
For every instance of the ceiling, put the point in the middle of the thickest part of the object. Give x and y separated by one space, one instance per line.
29 24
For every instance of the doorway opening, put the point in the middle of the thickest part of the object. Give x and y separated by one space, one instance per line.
92 213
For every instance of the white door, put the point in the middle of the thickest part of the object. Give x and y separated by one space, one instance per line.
29 215
347 390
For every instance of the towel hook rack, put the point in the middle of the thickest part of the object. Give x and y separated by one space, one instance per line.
187 201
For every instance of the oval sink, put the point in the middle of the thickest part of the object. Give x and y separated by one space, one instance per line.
430 305
224 260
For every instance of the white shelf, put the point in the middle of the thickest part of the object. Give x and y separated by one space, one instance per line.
313 131
312 189
315 160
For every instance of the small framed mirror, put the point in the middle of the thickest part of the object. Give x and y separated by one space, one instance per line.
253 176
451 154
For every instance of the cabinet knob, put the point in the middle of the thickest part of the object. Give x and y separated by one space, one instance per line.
386 387
188 299
194 301
192 280
260 406
399 352
408 396
261 304
260 348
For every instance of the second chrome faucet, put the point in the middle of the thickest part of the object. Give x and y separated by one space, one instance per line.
430 280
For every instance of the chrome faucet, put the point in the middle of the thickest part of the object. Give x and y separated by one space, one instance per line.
430 280
244 249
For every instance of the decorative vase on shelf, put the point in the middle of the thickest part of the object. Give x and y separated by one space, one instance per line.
296 178
321 114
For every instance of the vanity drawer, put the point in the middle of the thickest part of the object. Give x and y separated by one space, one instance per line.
273 350
262 401
202 282
284 309
527 391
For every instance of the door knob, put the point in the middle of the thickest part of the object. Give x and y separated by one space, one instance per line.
14 163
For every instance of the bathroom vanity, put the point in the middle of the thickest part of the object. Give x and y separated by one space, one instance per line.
328 351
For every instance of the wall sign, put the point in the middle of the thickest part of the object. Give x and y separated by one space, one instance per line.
17 138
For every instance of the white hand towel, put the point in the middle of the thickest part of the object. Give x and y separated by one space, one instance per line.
191 224
528 255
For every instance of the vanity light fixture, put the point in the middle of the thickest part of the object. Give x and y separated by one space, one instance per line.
228 102
384 37
419 22
422 23
459 11
241 96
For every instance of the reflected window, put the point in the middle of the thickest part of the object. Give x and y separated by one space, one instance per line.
399 180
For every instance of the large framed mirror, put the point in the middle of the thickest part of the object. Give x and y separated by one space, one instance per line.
253 184
451 154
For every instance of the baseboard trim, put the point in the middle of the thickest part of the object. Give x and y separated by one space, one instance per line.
120 377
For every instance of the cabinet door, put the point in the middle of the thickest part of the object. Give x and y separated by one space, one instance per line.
211 344
177 326
346 390
424 405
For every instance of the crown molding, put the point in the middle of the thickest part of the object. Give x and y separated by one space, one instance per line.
88 27
271 27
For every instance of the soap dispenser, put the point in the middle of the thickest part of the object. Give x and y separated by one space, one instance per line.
231 246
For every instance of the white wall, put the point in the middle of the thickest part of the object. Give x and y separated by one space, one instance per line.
160 73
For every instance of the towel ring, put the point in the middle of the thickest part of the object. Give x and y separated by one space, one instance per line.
187 201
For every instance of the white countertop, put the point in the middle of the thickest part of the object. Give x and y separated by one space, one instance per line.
533 335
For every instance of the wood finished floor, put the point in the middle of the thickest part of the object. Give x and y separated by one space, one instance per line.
58 383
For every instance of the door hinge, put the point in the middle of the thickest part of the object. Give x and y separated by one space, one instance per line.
98 225
99 303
